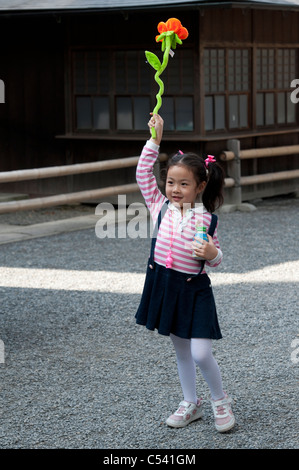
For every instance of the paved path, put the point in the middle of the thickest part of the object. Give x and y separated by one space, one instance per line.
78 373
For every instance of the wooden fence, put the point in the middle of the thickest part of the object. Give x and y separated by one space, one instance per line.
233 183
64 170
234 155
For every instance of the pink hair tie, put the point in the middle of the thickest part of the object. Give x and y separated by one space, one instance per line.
182 153
210 159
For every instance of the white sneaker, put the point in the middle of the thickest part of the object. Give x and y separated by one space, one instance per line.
185 414
224 418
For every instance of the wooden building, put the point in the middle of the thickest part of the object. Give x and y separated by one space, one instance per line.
78 89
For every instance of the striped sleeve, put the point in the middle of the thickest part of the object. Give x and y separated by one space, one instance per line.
146 179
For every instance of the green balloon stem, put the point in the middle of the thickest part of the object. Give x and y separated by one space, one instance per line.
159 81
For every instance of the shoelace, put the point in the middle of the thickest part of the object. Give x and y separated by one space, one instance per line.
220 410
182 410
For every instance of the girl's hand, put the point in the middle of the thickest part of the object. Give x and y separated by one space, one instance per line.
206 250
157 122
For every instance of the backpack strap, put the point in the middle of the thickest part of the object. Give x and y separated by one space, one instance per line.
211 231
157 226
213 225
160 217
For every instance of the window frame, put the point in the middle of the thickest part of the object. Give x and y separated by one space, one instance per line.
114 94
197 62
276 90
226 92
252 93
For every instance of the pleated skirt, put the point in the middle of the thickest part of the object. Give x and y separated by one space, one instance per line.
175 302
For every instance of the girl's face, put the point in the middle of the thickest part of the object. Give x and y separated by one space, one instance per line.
181 186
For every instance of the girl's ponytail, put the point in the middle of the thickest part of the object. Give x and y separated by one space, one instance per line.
212 197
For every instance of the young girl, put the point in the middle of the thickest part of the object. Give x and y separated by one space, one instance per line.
177 298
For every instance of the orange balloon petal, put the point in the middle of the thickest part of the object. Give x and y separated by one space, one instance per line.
183 33
162 27
173 24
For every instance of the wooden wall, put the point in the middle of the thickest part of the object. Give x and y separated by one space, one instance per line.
34 67
255 28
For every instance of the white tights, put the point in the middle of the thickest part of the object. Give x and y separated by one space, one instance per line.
190 352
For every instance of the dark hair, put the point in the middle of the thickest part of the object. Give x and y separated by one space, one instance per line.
213 174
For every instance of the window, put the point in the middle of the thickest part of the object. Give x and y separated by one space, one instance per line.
116 90
227 87
275 69
214 67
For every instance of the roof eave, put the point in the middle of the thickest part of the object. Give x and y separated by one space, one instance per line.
179 6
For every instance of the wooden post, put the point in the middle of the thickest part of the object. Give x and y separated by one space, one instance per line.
234 171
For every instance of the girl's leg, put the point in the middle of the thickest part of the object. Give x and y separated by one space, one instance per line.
202 354
186 367
201 351
190 408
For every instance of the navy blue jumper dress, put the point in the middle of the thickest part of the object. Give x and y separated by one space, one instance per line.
176 302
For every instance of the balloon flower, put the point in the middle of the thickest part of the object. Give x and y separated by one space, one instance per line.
171 33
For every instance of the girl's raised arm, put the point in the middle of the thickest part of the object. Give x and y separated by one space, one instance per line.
144 175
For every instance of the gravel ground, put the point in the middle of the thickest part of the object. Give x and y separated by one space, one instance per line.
79 374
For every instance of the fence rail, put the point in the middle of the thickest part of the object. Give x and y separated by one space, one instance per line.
262 152
64 170
70 198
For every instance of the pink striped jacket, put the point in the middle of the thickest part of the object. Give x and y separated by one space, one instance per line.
175 229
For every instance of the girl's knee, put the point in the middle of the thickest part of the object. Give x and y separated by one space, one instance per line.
201 358
201 350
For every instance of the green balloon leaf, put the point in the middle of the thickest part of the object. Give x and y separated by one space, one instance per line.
153 60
